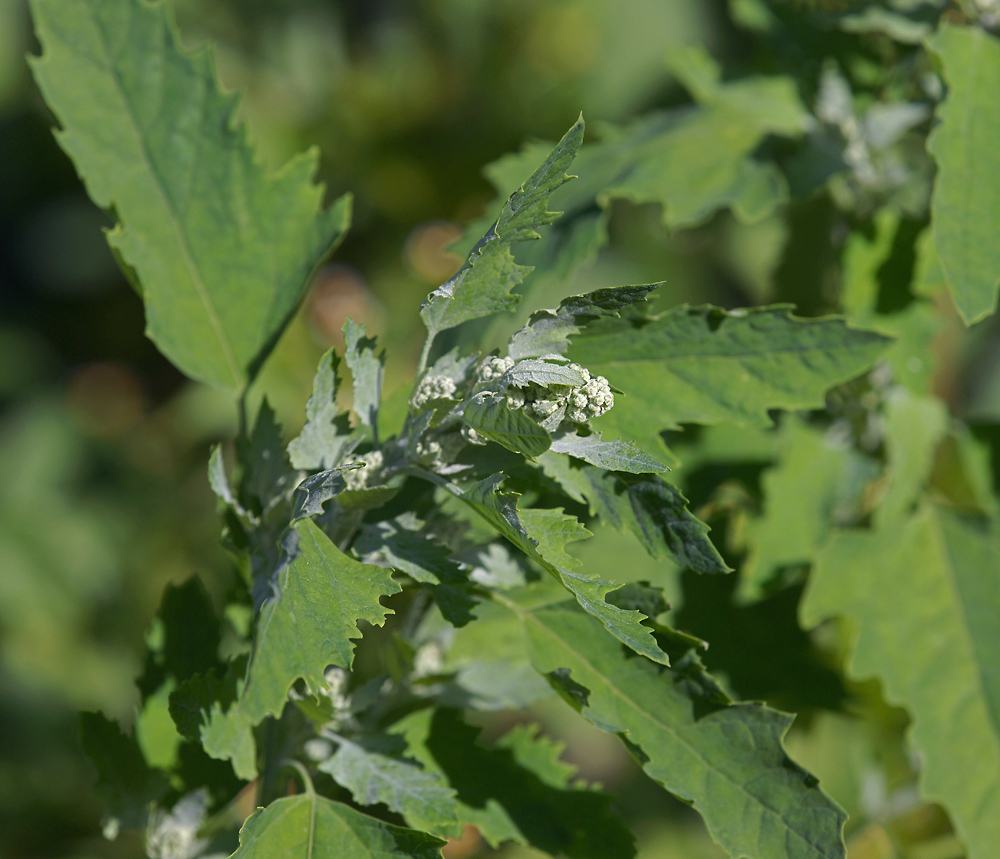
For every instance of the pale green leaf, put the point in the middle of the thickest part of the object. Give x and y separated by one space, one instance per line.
421 796
965 207
311 619
490 416
222 250
543 373
308 826
913 428
482 286
543 535
367 369
706 365
326 437
502 789
816 485
724 758
611 455
548 332
924 599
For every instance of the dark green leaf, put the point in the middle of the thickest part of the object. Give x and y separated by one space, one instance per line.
489 415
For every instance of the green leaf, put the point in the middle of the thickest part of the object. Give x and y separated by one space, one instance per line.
706 365
326 437
222 250
611 455
501 790
125 782
726 759
924 599
366 372
964 207
423 797
646 505
544 373
266 472
543 535
800 514
313 492
913 428
548 332
308 826
309 622
482 286
489 415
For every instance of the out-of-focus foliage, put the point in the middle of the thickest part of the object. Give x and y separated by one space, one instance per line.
784 159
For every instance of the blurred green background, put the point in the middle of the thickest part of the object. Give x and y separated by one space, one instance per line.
103 446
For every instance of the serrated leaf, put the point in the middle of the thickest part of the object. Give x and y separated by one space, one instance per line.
610 455
222 250
266 472
367 369
308 826
544 373
483 285
924 599
489 415
799 515
125 782
548 332
326 437
706 365
313 492
964 207
501 789
423 797
646 505
724 758
310 620
543 535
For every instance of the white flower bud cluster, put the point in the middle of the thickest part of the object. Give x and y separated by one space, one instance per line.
493 368
363 478
551 406
471 436
433 388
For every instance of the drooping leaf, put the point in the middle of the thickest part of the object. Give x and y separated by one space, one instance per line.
308 623
223 251
490 416
482 286
610 455
724 758
313 492
800 514
125 781
706 365
924 599
326 437
964 207
647 506
548 332
366 371
308 826
501 790
423 797
543 535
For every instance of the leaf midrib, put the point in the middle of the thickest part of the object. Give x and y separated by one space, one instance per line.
174 220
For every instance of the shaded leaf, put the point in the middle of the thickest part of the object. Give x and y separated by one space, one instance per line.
311 826
924 599
964 207
490 416
313 492
501 790
223 251
482 286
724 758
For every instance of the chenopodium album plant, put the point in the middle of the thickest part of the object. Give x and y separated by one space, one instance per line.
442 545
